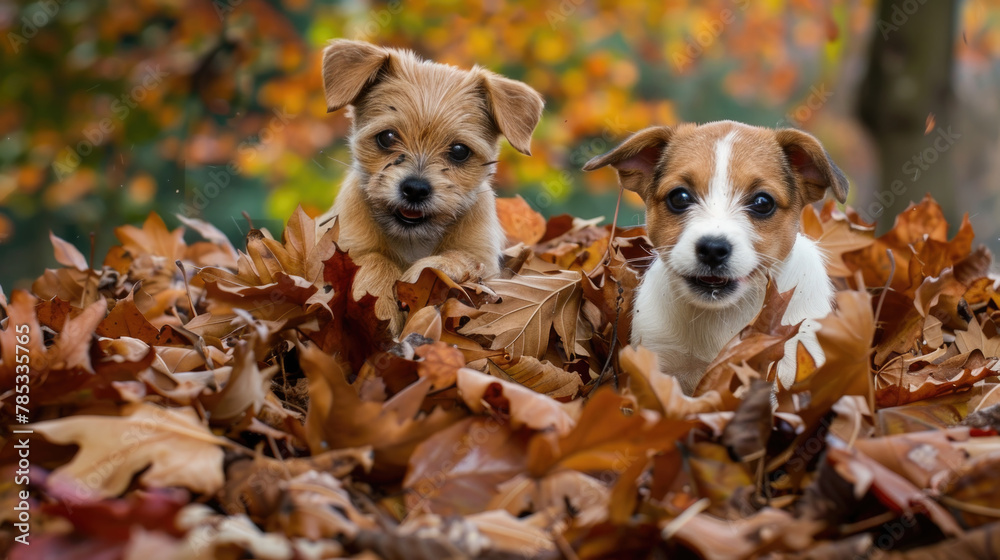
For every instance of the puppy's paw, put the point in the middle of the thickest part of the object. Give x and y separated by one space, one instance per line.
387 310
456 269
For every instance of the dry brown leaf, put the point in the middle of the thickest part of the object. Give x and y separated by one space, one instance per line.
456 471
918 457
983 336
597 476
426 322
835 237
974 485
432 287
68 255
532 306
22 330
244 392
427 537
917 417
175 359
655 390
316 505
919 245
845 336
300 239
526 536
561 494
541 377
215 325
72 347
717 476
523 407
211 536
338 418
747 434
170 445
922 380
79 287
213 235
125 319
933 335
153 238
519 221
440 363
721 539
892 489
604 438
254 485
904 329
276 281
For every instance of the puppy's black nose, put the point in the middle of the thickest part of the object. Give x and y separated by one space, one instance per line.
415 189
713 251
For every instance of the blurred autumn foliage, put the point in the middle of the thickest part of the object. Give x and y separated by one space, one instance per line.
112 108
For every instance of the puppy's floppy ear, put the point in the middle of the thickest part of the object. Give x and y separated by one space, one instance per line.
515 107
811 162
636 158
349 67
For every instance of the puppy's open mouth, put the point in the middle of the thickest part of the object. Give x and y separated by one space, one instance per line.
711 282
410 217
712 286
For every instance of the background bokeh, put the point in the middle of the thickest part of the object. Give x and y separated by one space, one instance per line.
214 108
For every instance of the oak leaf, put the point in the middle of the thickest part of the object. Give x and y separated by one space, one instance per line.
981 335
170 446
532 306
835 236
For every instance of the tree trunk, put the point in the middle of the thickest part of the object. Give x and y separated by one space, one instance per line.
909 78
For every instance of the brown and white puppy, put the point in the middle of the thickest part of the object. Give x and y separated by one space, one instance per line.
424 139
723 202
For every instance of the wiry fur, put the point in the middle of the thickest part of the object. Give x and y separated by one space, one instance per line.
724 165
430 107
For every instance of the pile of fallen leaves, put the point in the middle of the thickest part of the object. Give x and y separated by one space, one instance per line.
191 400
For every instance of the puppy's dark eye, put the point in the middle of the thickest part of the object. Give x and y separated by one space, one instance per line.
386 139
459 152
762 205
679 199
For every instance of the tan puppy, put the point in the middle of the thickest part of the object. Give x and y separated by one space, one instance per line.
723 201
424 140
